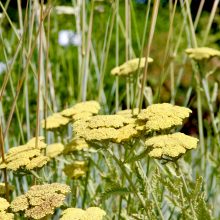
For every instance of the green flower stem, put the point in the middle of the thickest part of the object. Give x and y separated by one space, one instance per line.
198 72
86 185
134 188
179 173
211 110
138 164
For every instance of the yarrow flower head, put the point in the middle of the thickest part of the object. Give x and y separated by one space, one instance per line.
92 213
4 215
130 66
54 121
82 110
76 169
115 128
170 146
201 53
41 200
165 116
77 144
28 156
53 150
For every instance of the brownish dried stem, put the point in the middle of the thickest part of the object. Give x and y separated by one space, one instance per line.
3 160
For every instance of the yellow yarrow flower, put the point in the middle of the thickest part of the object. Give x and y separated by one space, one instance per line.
4 215
77 144
130 66
107 121
171 145
128 113
54 121
76 169
54 150
41 200
115 128
91 107
92 213
25 156
200 53
3 204
163 116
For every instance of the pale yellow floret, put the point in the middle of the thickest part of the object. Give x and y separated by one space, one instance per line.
115 128
107 121
171 145
37 162
77 144
20 203
100 134
88 106
73 214
92 213
95 213
76 169
128 113
40 143
25 156
18 163
54 150
3 204
130 66
91 107
201 53
6 216
81 115
54 121
41 200
163 116
125 133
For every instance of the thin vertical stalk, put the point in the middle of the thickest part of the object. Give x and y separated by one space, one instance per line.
83 48
192 29
117 57
86 70
103 68
167 50
211 17
200 119
40 56
136 80
127 9
47 73
199 12
151 34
